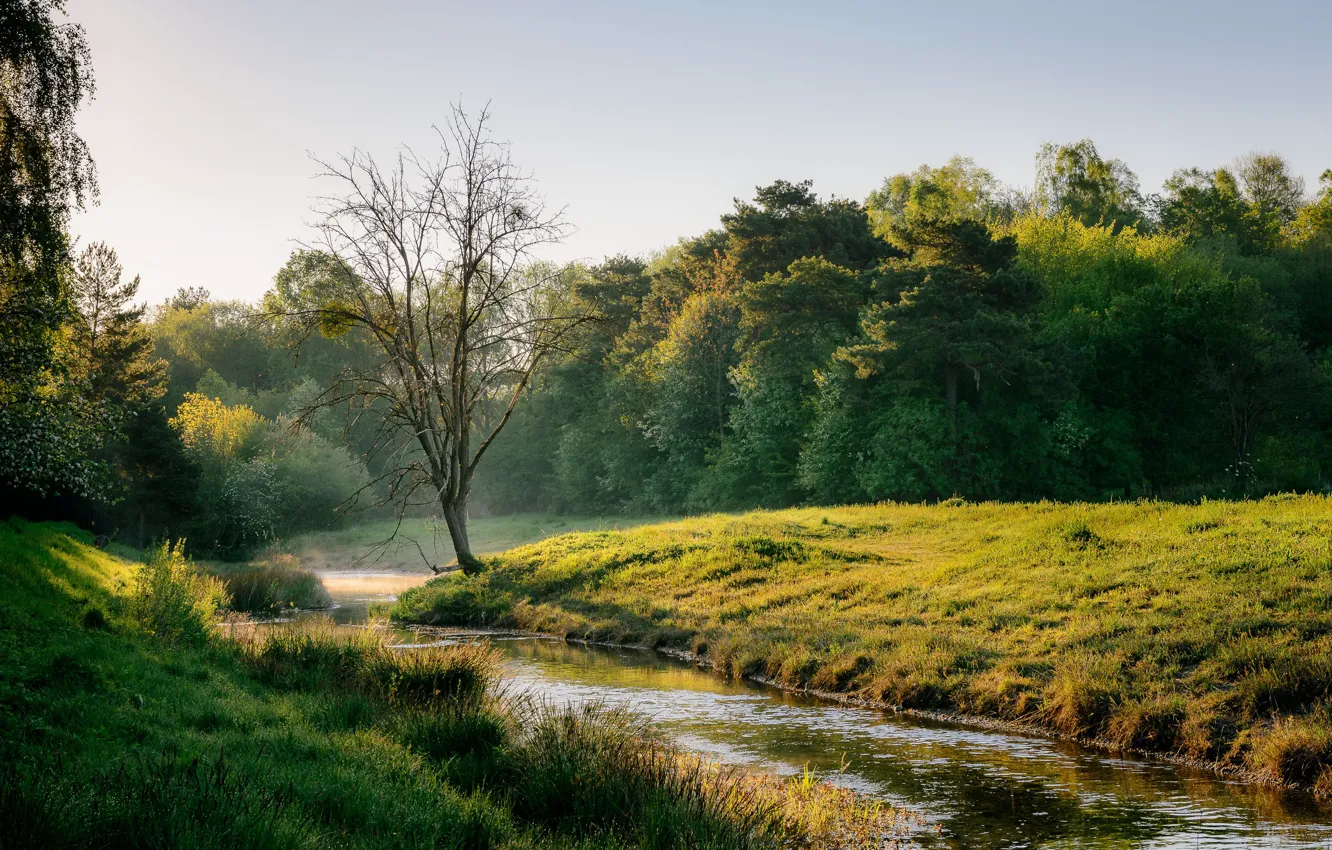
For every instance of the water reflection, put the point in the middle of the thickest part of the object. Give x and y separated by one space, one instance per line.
985 789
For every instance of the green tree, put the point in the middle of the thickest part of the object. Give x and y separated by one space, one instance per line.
957 189
790 325
956 309
1274 196
1204 204
689 374
1313 224
112 344
1075 179
787 222
45 172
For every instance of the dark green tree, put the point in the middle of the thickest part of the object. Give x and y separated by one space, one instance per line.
790 325
111 344
787 221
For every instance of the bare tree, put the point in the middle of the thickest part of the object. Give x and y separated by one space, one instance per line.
433 259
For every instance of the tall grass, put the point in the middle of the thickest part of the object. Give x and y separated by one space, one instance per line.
273 584
1198 631
571 770
587 766
172 599
313 652
149 802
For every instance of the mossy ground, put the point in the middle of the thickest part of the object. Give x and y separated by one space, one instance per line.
1202 631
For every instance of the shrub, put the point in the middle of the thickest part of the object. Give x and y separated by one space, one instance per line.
1079 533
273 584
260 478
171 599
94 618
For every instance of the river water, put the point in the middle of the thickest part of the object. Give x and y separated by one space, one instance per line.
979 789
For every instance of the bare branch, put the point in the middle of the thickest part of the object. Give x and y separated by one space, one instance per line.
436 261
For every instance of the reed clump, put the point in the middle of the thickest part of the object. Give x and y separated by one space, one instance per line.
313 652
271 585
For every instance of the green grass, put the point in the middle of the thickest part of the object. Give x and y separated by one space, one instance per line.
271 584
310 737
356 546
1199 631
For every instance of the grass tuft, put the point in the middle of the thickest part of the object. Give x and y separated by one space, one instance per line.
274 584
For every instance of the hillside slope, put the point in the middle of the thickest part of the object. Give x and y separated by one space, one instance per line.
306 736
1202 631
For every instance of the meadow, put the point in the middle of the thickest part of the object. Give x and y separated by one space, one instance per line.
361 546
130 717
1202 632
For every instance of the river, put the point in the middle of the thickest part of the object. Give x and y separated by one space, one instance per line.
979 789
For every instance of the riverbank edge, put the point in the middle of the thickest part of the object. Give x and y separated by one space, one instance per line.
974 721
970 721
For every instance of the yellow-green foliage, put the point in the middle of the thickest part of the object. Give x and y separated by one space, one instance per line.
212 429
1199 630
172 599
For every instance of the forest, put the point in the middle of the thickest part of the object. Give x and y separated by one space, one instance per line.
947 337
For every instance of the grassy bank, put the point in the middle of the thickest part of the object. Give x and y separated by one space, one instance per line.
1200 631
358 547
127 719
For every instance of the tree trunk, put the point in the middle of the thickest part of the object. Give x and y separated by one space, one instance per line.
455 517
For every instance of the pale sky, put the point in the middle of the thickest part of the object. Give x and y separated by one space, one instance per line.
647 119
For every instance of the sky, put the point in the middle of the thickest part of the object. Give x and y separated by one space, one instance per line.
646 120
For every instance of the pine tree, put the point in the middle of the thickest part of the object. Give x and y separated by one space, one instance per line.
112 346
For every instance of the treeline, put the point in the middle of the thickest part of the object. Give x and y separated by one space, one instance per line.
951 337
183 420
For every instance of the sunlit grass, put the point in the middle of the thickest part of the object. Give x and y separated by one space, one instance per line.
1195 630
308 735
